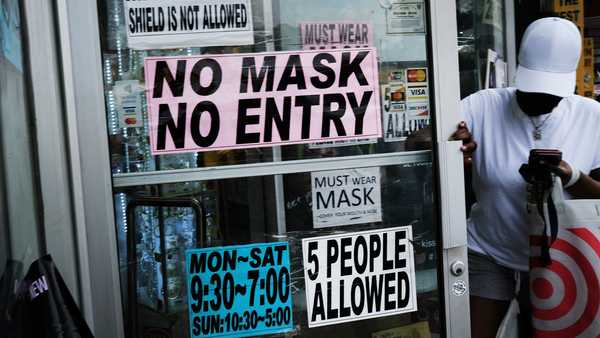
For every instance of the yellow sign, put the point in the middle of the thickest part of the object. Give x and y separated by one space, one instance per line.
573 10
417 330
587 64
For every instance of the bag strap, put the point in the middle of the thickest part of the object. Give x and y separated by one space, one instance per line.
517 283
555 203
547 207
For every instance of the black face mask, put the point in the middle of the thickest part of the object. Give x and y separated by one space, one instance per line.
534 104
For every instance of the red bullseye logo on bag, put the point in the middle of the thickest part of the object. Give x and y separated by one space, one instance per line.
565 295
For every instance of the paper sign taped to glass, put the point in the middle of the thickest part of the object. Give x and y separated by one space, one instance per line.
319 35
239 291
405 103
345 197
336 35
237 101
161 24
361 275
406 17
128 103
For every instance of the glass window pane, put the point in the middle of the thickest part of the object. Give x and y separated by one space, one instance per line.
481 39
399 40
158 224
240 211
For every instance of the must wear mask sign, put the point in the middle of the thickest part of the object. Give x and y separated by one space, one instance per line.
345 197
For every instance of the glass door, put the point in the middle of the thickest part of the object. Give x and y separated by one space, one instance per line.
279 167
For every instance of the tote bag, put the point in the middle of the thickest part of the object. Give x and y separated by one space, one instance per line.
509 327
565 268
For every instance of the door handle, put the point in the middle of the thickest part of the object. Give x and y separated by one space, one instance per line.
454 217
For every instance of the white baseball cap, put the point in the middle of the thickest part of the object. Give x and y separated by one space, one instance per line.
549 56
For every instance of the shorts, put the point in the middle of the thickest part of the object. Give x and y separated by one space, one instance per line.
488 279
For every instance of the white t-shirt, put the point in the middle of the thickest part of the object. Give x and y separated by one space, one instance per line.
504 134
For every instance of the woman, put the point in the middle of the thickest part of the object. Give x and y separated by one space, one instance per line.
501 127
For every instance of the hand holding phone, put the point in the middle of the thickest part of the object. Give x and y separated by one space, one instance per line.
542 164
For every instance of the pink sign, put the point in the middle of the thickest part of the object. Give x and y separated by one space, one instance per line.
219 102
336 35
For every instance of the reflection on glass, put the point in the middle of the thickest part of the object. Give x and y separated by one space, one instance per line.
481 27
241 211
153 233
398 53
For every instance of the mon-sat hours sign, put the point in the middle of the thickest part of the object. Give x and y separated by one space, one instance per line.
219 102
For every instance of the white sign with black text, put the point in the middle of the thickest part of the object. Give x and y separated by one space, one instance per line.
406 17
345 197
160 24
361 275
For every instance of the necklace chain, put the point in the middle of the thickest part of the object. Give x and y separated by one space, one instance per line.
541 124
537 132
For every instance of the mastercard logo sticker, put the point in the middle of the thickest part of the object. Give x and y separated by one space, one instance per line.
130 120
416 75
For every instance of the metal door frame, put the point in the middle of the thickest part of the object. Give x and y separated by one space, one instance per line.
511 40
88 141
444 56
83 87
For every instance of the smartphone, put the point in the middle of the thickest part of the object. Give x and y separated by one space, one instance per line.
550 156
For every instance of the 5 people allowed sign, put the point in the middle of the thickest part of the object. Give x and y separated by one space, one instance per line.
361 275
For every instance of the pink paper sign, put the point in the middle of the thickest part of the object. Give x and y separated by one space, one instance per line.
336 35
219 102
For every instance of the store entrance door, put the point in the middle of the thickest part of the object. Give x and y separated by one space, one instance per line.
281 168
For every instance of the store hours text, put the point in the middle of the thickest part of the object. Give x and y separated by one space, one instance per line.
232 291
